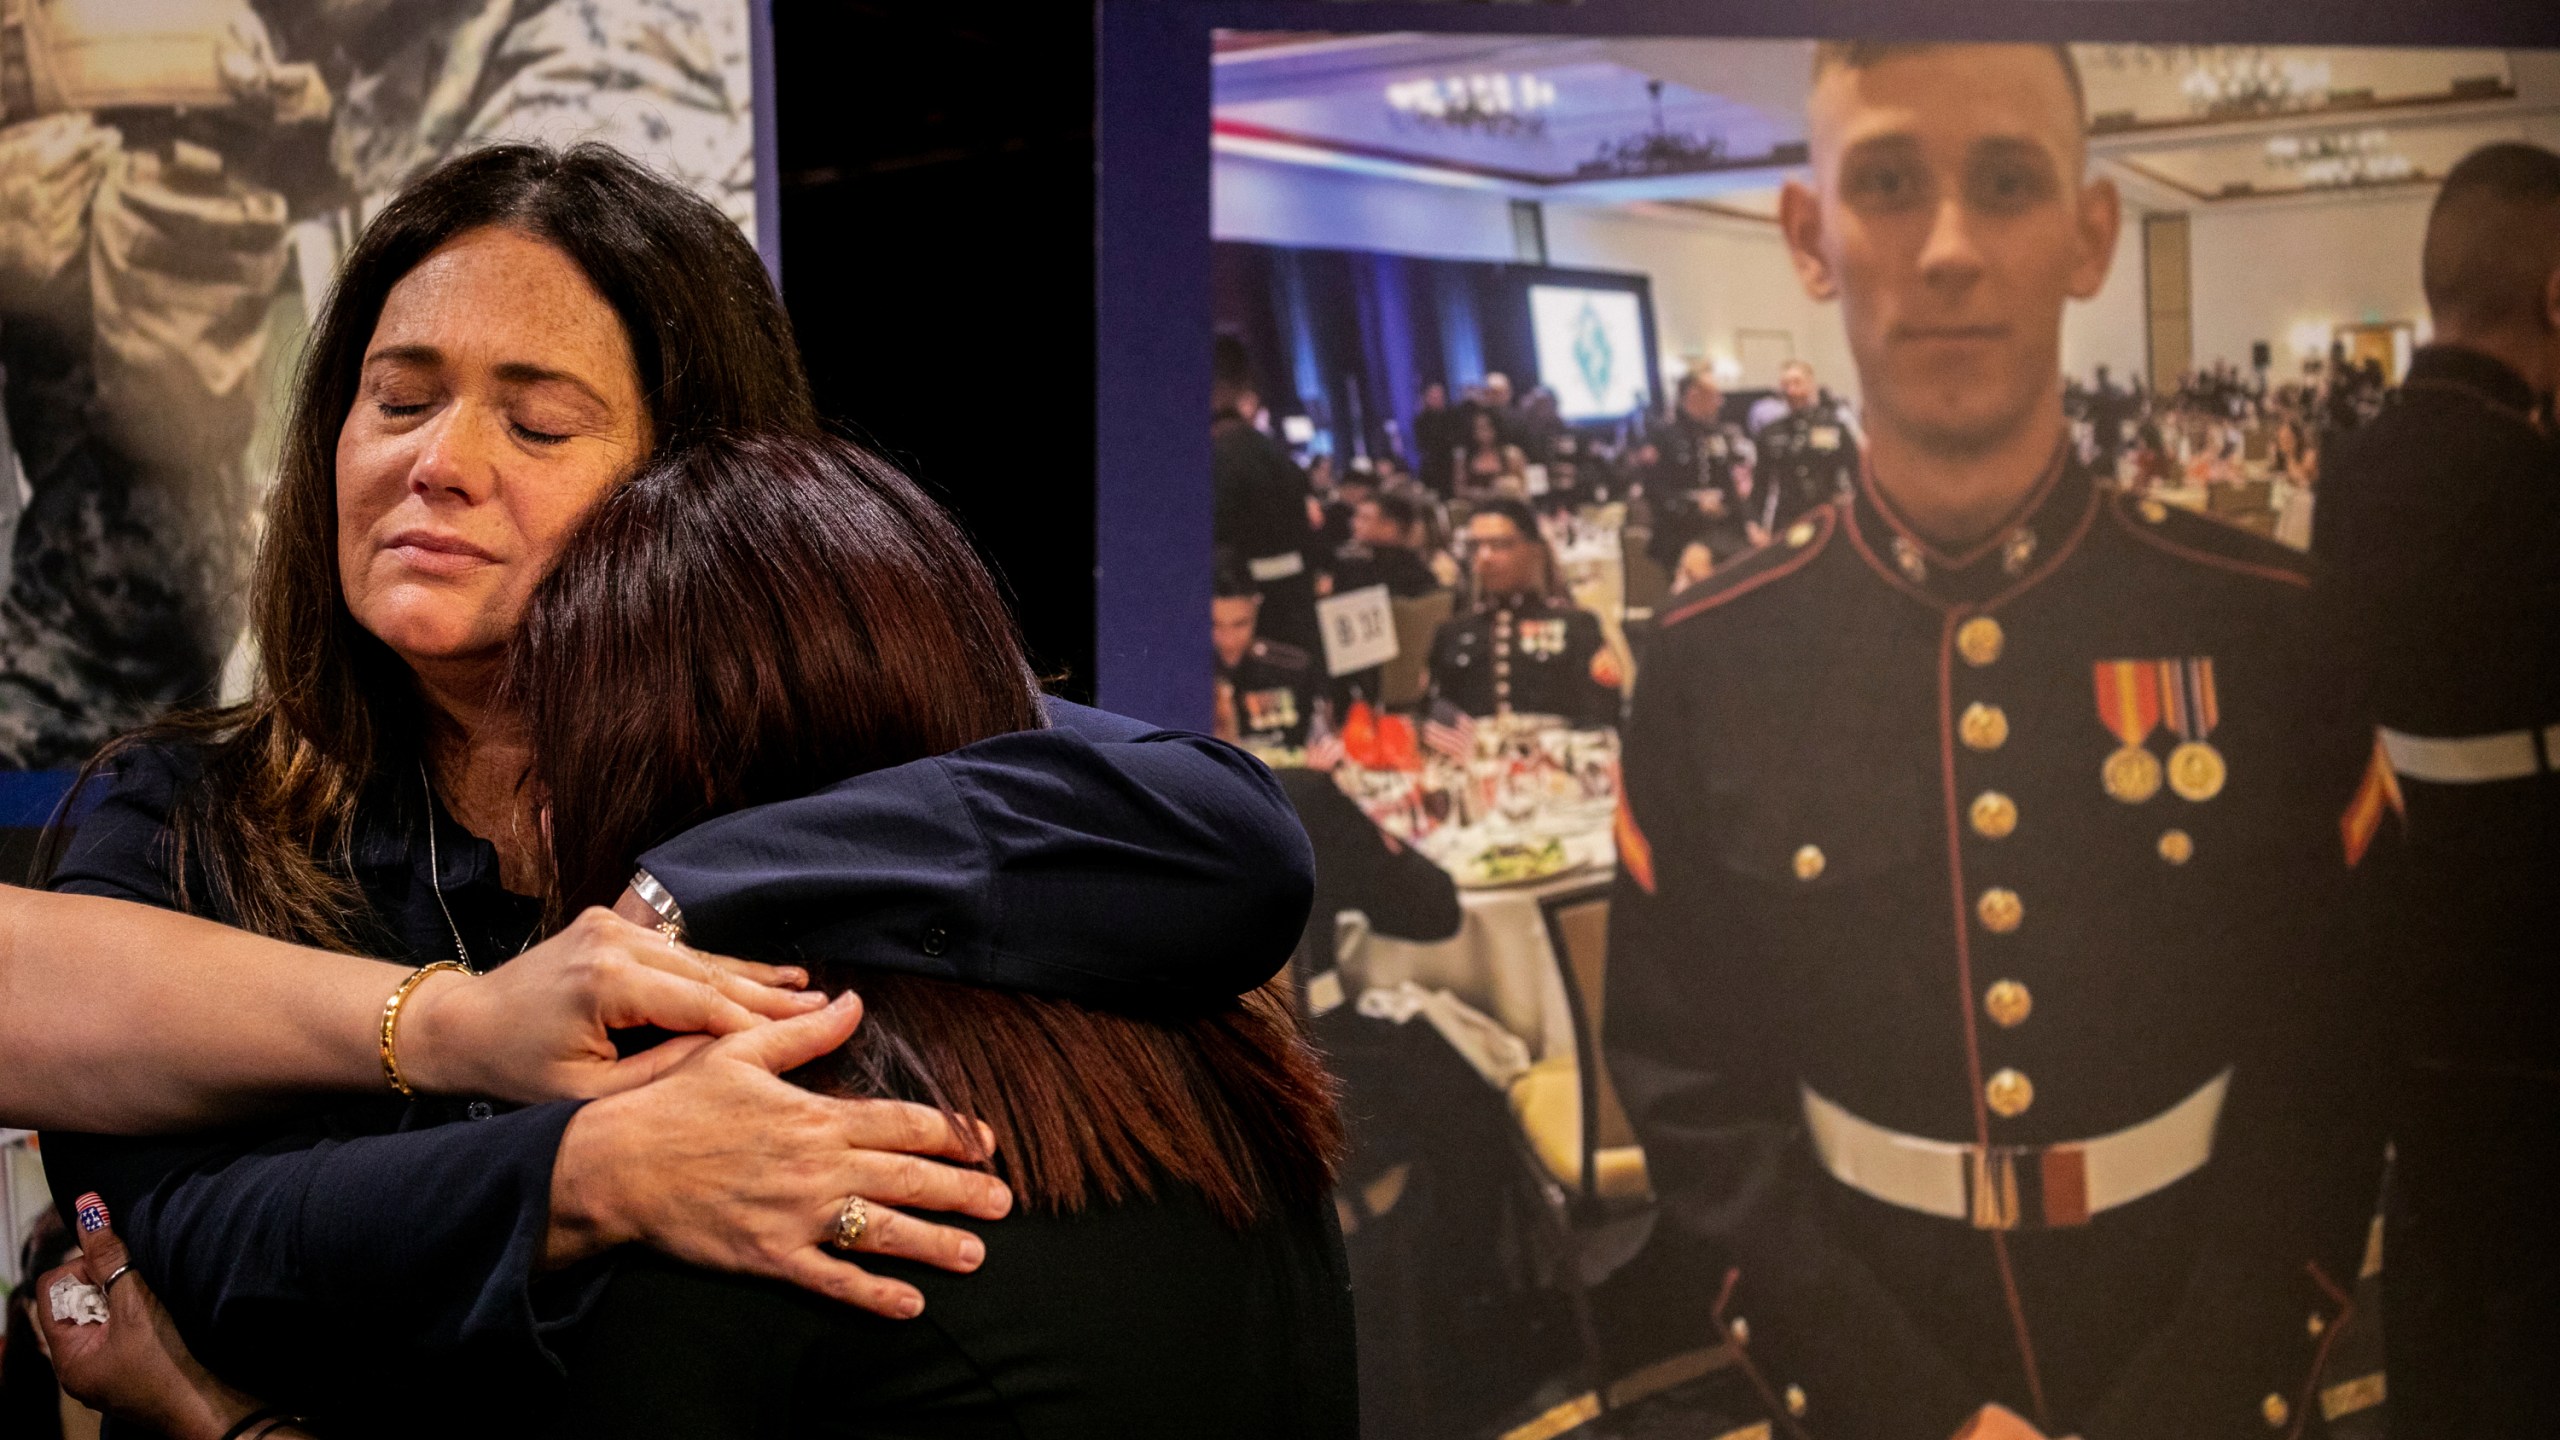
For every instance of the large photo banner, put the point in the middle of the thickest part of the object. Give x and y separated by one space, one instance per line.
178 179
1921 675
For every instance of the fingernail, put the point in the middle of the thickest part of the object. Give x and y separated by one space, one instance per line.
974 1251
810 999
91 1211
794 976
911 1306
847 1000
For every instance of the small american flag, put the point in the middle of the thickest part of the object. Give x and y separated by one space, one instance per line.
1450 731
91 1213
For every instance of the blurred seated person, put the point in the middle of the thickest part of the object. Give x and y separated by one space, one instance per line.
1266 688
1522 646
1340 498
1540 429
1385 549
1488 465
2295 469
1699 480
1438 431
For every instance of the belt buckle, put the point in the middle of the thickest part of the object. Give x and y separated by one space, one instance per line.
1991 1173
2056 1186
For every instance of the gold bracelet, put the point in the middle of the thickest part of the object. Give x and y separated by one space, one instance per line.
391 1020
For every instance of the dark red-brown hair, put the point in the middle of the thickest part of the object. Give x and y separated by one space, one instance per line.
750 618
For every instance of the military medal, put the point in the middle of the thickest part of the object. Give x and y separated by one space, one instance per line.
2196 770
2129 706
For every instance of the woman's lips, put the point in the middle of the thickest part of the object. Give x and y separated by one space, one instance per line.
437 554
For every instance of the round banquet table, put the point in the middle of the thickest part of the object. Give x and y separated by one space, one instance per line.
1500 960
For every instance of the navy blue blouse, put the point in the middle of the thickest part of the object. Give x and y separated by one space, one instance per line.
323 1261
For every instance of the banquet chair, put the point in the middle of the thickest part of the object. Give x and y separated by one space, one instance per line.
1418 618
1575 1140
1579 1132
1648 583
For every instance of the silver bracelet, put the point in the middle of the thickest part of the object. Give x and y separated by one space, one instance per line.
655 896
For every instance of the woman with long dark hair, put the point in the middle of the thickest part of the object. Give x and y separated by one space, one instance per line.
1186 1155
509 341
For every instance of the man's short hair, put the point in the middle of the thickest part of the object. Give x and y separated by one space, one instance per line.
1230 580
1230 365
1830 55
2493 238
1798 364
1517 511
1693 380
1396 510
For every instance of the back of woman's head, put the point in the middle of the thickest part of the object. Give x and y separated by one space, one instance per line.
747 619
750 619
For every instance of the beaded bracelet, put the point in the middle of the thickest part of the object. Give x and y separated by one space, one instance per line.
391 1023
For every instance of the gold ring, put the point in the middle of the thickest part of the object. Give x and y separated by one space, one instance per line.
851 1221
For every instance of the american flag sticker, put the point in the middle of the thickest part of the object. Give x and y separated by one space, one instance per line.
91 1213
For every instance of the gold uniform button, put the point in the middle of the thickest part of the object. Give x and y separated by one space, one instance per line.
1979 640
1809 862
1796 1403
2317 1326
2008 1093
1994 815
1740 1330
2274 1411
2008 1003
1800 534
1983 727
2153 511
2000 910
2177 846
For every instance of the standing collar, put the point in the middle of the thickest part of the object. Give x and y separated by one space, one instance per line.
2485 377
2018 551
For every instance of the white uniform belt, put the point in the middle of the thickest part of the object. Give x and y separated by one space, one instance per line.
1267 568
2010 1187
2471 759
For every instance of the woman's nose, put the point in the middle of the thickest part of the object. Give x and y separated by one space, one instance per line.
455 458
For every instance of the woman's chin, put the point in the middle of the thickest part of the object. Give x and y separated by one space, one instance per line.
431 637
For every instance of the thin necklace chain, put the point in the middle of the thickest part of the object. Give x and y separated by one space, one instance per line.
435 868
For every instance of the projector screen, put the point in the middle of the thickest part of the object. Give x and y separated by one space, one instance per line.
1590 349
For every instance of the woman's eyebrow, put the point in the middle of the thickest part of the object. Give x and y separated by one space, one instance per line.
404 355
521 372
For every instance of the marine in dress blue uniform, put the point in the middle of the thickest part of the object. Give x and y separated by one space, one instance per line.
2441 524
1968 984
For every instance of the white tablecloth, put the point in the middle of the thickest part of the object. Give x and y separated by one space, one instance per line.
1499 961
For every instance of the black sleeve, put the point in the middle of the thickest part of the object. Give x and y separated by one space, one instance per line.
319 1260
1102 859
1361 867
1594 704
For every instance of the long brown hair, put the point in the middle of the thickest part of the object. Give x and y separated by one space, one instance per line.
753 617
264 839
